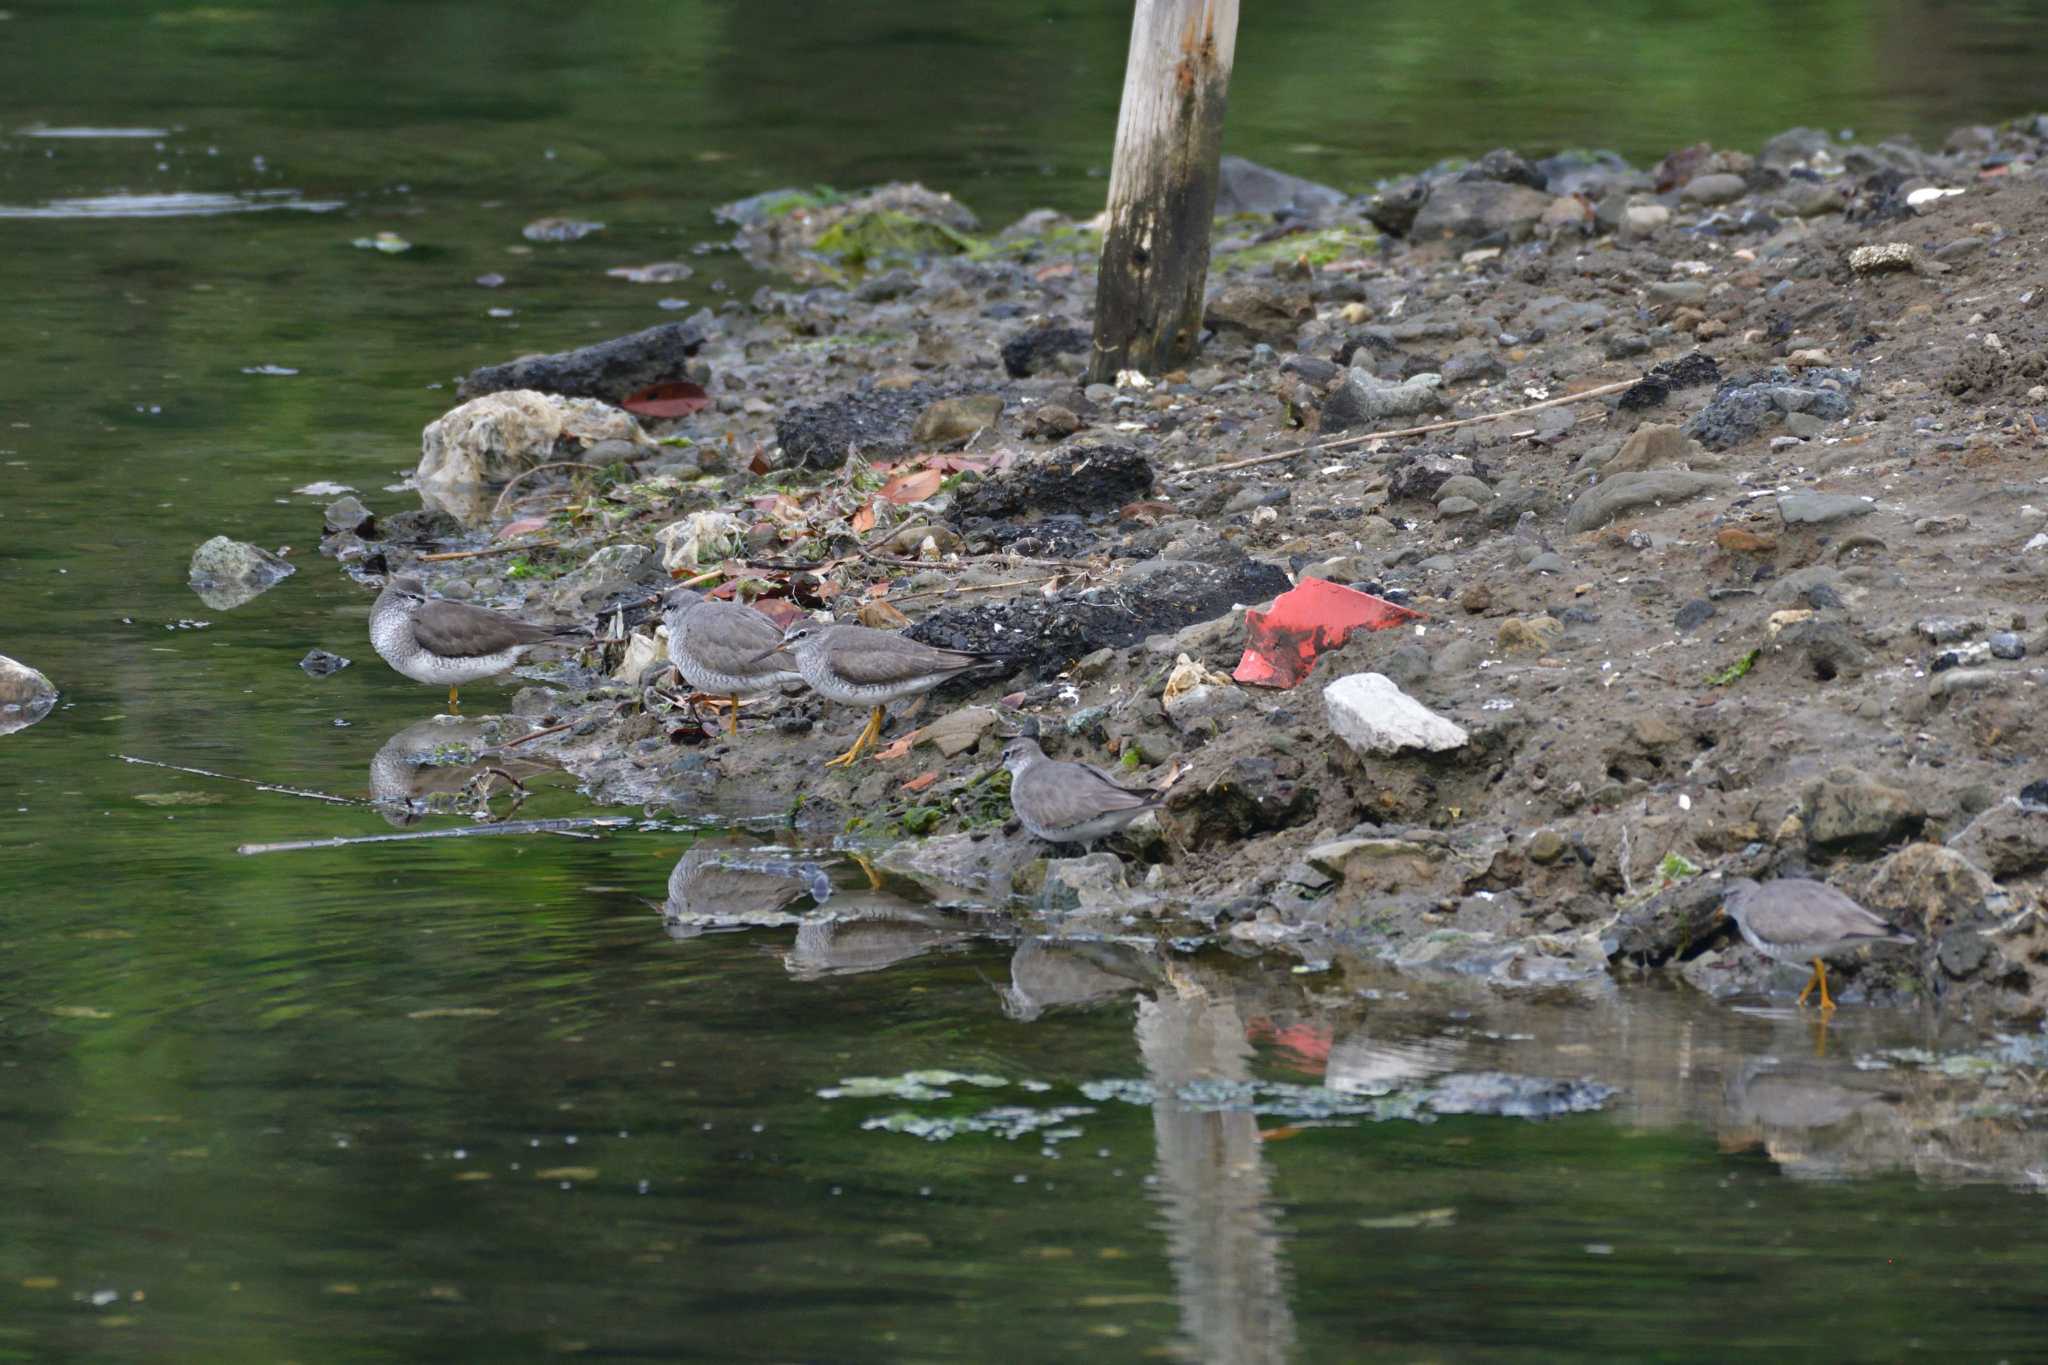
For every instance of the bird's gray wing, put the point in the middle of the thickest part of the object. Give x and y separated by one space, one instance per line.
457 630
1815 913
878 658
729 639
1064 794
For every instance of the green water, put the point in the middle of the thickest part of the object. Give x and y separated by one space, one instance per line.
469 1100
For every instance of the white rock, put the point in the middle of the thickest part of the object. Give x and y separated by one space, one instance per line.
642 652
700 538
2039 542
489 439
26 696
1372 715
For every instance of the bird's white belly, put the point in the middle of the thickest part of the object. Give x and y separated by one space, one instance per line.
394 643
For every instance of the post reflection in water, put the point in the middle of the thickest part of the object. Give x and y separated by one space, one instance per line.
1222 1236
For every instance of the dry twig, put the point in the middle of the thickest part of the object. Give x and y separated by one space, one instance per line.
506 491
1317 447
506 549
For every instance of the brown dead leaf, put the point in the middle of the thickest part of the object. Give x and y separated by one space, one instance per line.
878 614
907 488
1146 512
921 781
898 749
864 520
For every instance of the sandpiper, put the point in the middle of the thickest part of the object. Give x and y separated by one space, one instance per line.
433 640
718 647
1796 920
1067 803
858 666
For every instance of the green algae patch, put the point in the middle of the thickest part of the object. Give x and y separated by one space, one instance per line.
1316 248
886 237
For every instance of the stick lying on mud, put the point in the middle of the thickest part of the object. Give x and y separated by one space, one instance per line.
511 547
1315 446
328 797
570 828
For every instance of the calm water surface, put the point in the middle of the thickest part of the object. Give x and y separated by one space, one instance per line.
470 1100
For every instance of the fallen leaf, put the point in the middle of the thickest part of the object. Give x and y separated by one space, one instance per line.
567 1173
905 488
1278 1134
921 781
880 615
780 610
898 749
523 526
864 520
759 464
670 398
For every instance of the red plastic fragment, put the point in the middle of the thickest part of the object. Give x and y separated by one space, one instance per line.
1281 645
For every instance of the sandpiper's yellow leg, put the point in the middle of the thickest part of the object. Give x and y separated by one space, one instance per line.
732 724
454 703
867 737
1811 980
874 877
1821 971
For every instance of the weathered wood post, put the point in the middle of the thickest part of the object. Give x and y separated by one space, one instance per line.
1162 186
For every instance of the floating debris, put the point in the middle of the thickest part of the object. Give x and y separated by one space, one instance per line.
169 205
1009 1122
911 1085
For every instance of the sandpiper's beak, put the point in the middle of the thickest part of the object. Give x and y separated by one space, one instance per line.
775 648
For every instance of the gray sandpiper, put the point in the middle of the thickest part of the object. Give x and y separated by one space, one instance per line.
859 666
1069 803
724 649
1797 920
433 640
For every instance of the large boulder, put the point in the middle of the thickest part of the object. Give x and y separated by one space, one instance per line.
1850 812
1472 210
1246 187
466 452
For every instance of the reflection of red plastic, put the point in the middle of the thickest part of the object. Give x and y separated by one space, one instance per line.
1281 645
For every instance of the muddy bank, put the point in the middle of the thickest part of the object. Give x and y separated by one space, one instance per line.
1768 601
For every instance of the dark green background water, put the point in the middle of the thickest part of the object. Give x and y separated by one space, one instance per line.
233 1091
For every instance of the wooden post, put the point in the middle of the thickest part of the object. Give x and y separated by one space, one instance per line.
1162 186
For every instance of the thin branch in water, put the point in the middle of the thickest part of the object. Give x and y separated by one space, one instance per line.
261 786
537 734
569 828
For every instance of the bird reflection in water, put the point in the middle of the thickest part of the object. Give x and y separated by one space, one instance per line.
450 765
847 918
